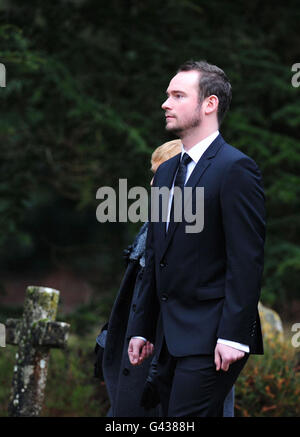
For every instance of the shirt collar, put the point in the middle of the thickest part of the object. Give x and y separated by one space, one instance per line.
198 149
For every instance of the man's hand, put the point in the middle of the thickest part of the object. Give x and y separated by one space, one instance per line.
225 355
139 350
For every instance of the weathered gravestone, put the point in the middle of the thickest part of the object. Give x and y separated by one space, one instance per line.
35 334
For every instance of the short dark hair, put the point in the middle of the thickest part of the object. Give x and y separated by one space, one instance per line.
212 80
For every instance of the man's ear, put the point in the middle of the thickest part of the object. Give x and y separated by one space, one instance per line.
211 104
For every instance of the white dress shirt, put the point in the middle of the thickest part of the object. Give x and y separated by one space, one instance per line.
195 154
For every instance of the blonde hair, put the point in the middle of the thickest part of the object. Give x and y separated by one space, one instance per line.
164 152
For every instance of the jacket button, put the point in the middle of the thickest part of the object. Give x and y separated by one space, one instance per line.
125 371
162 264
164 297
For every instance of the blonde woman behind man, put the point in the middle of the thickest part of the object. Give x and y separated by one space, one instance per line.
125 383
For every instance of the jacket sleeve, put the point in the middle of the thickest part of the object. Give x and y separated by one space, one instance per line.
243 215
147 307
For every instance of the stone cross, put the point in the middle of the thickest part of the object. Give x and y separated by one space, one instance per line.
34 334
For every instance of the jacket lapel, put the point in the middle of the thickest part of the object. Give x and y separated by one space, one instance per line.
166 180
204 162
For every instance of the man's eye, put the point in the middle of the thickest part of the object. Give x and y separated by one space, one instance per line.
178 96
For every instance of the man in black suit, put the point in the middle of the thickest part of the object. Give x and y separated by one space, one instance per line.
201 290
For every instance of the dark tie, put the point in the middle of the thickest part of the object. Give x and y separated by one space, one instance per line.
182 169
180 180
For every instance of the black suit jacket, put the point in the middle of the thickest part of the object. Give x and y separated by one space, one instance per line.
207 284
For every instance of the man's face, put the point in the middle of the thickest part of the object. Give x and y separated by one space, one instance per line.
182 109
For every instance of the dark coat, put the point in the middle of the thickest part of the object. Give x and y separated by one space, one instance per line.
124 382
207 284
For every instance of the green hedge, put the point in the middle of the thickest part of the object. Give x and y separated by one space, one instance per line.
269 385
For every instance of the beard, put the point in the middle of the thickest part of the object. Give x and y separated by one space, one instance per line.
181 129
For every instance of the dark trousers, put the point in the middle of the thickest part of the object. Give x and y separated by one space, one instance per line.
191 386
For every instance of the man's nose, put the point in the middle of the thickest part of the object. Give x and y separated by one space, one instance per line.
166 104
